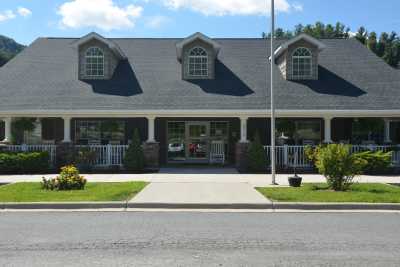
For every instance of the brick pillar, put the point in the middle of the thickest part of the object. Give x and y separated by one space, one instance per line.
241 156
65 154
151 152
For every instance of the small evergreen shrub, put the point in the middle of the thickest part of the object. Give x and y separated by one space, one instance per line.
24 162
257 158
85 158
69 179
338 165
376 161
134 156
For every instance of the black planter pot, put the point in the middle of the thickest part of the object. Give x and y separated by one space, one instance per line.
295 181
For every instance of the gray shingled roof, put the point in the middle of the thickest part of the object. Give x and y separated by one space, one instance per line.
44 76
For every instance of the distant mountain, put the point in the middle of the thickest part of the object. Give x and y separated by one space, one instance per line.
8 49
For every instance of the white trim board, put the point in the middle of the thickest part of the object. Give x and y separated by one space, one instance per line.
200 113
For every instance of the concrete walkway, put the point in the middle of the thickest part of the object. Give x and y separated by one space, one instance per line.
201 175
200 193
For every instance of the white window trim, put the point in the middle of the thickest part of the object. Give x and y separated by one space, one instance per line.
201 57
97 57
300 77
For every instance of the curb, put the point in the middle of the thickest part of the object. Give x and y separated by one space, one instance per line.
236 206
63 205
334 206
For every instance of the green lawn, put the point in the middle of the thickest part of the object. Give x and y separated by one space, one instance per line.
32 192
370 193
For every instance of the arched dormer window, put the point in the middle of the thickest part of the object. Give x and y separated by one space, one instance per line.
94 62
301 63
198 62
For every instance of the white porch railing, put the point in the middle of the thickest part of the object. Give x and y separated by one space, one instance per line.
294 156
289 156
51 149
107 155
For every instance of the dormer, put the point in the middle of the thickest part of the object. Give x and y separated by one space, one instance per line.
98 57
197 54
297 58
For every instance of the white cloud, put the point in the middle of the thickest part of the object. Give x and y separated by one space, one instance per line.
231 7
24 12
6 15
102 14
297 7
157 22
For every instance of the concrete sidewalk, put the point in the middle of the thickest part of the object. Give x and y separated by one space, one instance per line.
200 193
180 175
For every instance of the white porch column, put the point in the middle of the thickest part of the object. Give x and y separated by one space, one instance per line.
67 130
327 130
387 131
7 130
150 129
243 129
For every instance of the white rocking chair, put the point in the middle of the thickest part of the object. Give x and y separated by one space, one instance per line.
217 152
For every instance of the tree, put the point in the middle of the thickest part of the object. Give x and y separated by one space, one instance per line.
372 42
362 35
257 155
134 156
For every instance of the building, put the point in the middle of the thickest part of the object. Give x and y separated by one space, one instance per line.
188 96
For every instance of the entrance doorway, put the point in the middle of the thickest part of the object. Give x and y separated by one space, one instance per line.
197 140
191 141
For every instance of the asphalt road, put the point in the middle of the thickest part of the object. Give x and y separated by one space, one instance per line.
199 239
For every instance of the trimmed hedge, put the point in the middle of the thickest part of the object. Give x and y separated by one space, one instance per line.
24 162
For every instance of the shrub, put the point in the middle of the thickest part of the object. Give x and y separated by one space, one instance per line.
24 162
338 165
85 159
376 161
257 161
134 156
69 179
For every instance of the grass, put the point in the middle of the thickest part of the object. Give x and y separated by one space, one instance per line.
368 193
32 192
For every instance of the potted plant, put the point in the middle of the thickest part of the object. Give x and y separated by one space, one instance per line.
295 181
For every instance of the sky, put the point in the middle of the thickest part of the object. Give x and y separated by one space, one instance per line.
26 20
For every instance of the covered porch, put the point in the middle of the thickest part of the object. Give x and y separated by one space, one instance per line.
198 139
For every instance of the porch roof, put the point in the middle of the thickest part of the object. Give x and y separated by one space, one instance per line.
45 77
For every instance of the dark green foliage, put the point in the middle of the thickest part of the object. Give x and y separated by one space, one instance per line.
377 161
134 156
8 49
319 30
24 162
19 126
69 179
257 161
85 158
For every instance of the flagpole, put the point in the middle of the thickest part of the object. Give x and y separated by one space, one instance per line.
273 155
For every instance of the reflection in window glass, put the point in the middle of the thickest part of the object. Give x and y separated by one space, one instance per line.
308 132
176 140
219 129
99 132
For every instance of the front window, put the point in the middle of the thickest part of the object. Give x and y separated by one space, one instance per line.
198 62
298 132
94 62
100 132
302 63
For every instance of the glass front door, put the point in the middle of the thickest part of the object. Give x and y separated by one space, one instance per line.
191 141
198 135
